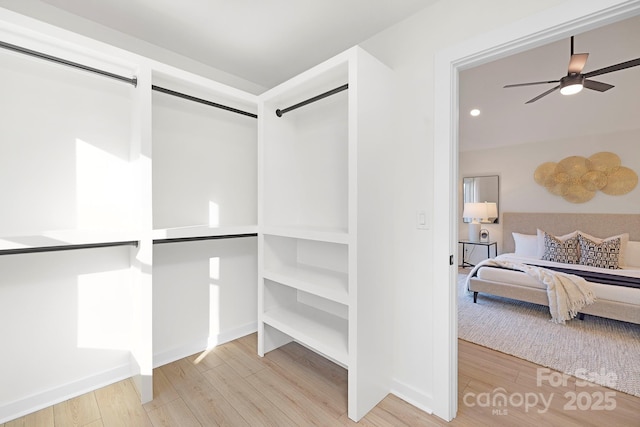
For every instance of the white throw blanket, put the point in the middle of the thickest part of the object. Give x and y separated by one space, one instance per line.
567 293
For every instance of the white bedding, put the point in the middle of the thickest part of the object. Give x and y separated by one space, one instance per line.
602 291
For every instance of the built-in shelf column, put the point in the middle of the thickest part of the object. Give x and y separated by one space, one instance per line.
324 240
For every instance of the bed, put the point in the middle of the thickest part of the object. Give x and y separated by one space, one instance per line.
522 244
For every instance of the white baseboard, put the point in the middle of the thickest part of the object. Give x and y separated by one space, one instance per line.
233 334
412 396
168 356
18 408
176 353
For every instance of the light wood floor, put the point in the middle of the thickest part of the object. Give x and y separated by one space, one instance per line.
292 386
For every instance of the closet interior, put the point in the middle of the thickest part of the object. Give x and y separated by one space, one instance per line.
150 213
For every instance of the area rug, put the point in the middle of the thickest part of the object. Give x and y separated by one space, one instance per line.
603 350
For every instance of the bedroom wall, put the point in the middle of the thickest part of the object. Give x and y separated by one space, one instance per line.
520 193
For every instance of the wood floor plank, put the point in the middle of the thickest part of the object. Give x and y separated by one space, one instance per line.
487 372
534 380
294 350
120 405
250 342
400 413
208 406
235 356
163 391
312 391
78 411
332 398
173 414
375 418
329 370
254 407
42 418
286 395
206 360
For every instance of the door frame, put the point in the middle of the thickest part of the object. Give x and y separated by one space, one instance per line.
548 26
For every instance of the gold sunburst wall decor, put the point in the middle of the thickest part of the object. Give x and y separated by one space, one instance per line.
577 178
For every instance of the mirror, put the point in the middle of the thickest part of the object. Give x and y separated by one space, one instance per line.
478 189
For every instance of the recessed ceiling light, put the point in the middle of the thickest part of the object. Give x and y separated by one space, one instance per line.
475 112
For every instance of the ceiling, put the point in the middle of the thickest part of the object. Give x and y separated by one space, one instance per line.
505 119
263 41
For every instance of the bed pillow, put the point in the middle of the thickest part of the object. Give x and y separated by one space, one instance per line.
541 233
632 254
526 245
624 241
605 254
557 250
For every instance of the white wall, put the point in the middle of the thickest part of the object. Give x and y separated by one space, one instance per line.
62 129
520 193
204 294
409 49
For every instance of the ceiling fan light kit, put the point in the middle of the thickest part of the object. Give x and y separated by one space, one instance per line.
575 80
572 84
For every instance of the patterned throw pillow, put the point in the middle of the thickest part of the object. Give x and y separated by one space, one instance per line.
605 254
556 250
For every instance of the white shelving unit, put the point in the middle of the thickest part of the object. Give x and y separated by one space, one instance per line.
204 157
123 206
324 262
204 151
167 185
71 224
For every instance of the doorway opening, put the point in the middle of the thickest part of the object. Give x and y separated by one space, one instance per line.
546 27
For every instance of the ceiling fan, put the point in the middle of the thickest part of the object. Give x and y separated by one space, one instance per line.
575 80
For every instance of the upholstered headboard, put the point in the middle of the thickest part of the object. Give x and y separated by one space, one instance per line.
599 225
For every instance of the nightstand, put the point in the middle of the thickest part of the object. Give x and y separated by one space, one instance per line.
485 244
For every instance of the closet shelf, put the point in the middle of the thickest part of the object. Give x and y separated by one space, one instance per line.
317 329
325 283
324 234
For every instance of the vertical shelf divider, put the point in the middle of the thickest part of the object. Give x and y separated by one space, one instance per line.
142 256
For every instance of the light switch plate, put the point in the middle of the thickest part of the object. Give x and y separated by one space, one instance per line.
422 220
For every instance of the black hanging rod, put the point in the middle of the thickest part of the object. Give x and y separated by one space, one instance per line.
133 80
280 112
202 101
66 247
194 239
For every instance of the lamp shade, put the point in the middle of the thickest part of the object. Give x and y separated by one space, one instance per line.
491 212
474 211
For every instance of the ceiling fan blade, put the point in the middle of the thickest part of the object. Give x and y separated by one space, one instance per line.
612 68
532 83
577 62
599 86
541 95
